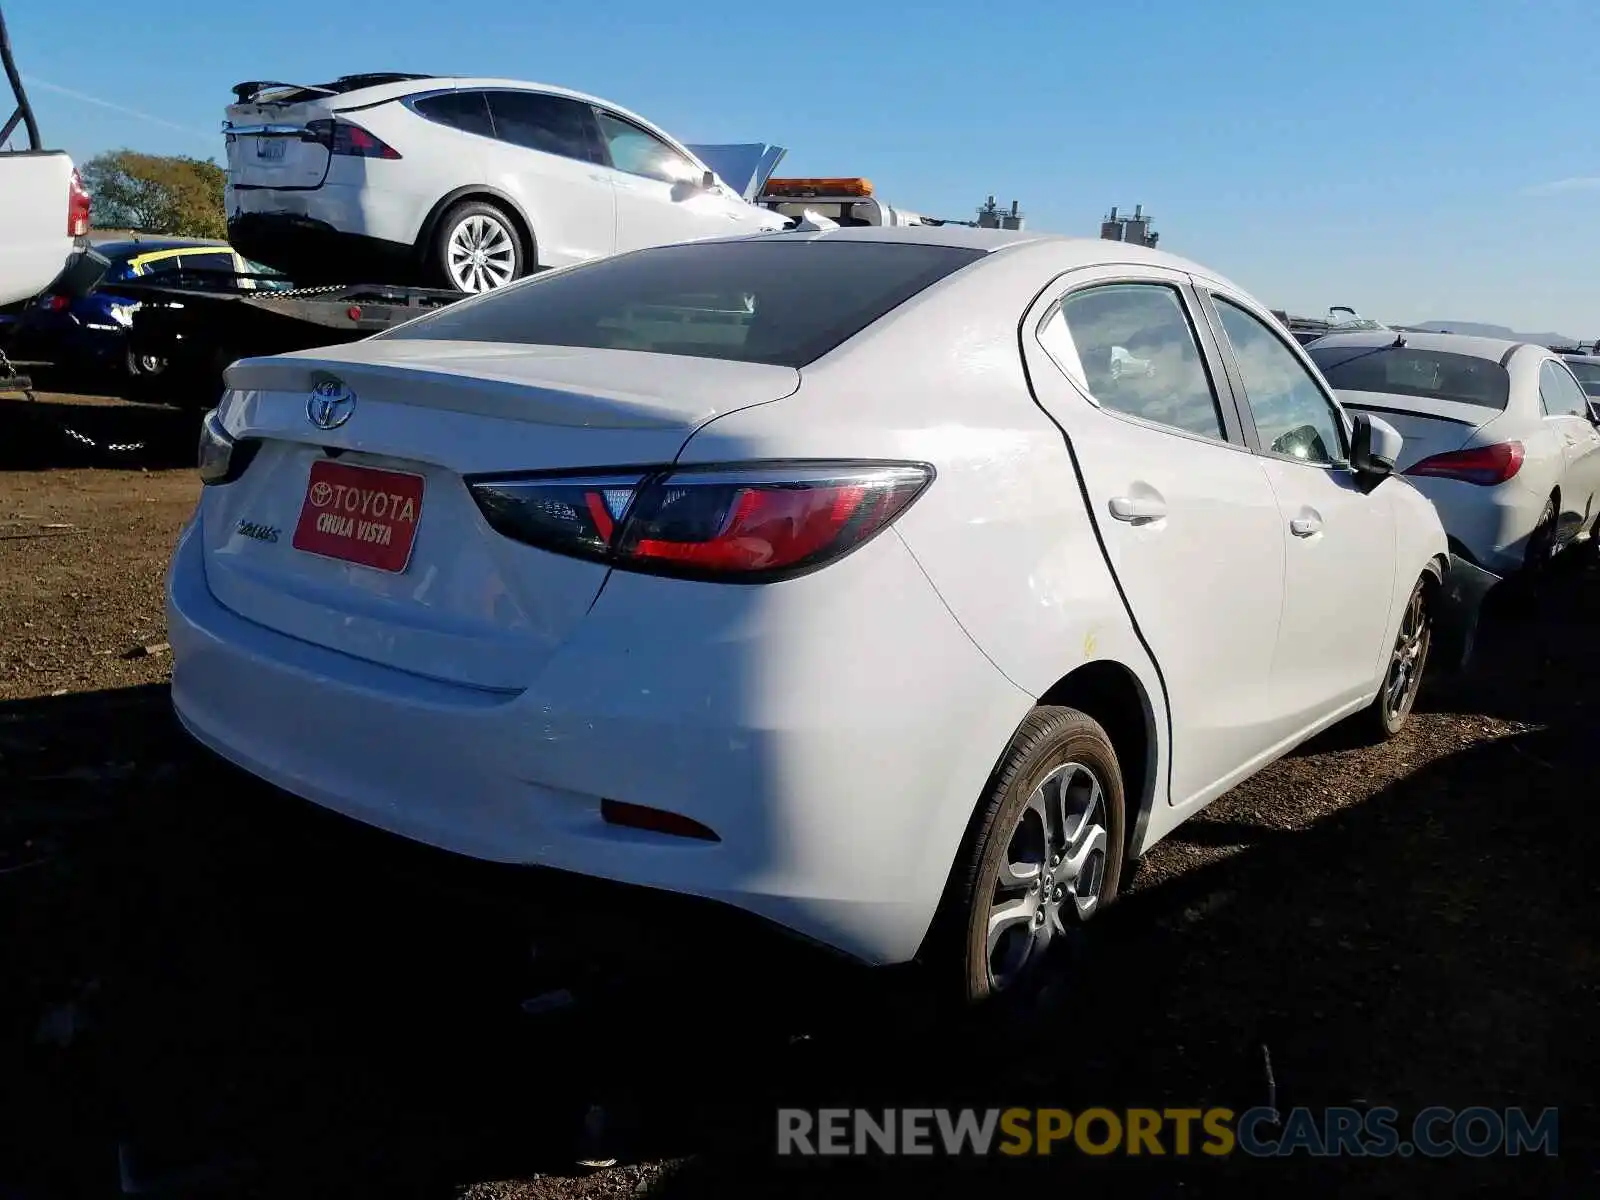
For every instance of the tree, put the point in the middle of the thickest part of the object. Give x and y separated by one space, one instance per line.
156 193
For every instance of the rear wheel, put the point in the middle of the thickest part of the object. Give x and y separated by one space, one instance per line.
1541 548
476 248
1045 857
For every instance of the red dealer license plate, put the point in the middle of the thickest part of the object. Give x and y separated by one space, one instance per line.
360 515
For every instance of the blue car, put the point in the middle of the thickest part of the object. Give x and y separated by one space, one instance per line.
87 337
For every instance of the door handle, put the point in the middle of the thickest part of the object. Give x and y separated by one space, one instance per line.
1138 510
1306 526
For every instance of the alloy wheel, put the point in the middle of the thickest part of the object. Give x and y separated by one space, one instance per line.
1404 677
1052 873
481 254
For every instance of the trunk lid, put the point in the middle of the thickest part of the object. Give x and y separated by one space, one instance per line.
1428 426
269 147
266 128
470 606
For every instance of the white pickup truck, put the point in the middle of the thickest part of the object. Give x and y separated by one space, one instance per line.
44 208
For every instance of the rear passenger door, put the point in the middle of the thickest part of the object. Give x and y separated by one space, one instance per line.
548 157
1189 522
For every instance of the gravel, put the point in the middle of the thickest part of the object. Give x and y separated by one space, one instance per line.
211 985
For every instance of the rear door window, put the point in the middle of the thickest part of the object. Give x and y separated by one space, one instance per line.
551 124
1139 357
776 300
466 111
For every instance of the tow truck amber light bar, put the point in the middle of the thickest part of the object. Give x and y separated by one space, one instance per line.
819 187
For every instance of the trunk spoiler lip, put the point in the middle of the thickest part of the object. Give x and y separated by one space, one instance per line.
250 90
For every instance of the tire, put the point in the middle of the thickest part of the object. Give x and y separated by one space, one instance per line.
476 242
1053 747
1402 676
137 365
1541 548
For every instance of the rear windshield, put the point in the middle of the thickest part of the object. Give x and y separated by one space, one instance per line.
780 301
1588 374
1403 371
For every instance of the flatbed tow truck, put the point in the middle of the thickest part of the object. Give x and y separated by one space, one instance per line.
198 323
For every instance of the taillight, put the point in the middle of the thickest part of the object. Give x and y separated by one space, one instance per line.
54 303
1482 465
341 137
222 459
79 203
752 523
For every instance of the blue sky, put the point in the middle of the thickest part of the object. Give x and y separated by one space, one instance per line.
1416 159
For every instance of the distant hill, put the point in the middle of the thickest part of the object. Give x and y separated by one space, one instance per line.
1478 329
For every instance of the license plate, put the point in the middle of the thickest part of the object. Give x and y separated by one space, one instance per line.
271 149
360 514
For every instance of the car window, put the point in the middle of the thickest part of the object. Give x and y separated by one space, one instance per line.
1560 393
1139 357
1406 371
466 111
1292 416
553 124
1588 374
161 266
640 153
213 261
783 301
120 270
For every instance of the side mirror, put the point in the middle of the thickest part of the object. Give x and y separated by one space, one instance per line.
1375 446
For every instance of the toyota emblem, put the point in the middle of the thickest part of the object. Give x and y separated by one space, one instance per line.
330 405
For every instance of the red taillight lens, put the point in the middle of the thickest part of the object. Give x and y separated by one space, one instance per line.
54 303
1483 465
341 137
753 523
79 204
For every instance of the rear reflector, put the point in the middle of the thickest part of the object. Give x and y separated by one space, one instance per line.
1485 466
654 820
752 523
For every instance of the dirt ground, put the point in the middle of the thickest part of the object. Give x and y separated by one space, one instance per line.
210 988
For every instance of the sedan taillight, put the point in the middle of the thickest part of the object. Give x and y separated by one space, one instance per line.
1485 466
753 523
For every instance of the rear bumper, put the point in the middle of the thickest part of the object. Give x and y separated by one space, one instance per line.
1461 599
840 772
1491 526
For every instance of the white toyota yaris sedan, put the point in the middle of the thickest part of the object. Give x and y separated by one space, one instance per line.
847 578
